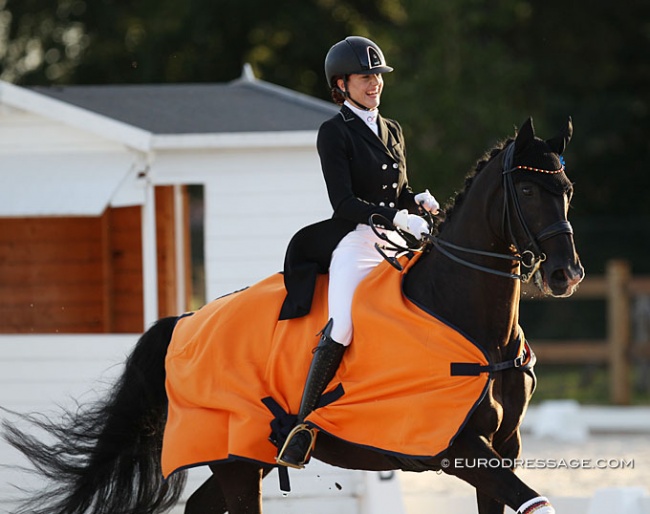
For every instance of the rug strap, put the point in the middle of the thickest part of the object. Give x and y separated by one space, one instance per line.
283 422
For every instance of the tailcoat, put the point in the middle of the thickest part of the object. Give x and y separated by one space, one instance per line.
365 174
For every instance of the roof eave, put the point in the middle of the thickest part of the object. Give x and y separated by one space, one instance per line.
36 103
237 140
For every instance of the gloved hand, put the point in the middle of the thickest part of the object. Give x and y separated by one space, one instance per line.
427 201
411 223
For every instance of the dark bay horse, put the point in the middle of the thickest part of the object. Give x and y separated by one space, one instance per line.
509 224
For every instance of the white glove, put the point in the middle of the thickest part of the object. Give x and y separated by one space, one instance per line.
427 201
411 223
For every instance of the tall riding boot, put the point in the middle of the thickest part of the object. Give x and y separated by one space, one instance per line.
326 360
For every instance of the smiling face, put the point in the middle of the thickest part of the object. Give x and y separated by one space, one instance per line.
364 89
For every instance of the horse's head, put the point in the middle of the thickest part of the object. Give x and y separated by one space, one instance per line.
537 197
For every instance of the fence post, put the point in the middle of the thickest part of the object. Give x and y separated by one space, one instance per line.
618 313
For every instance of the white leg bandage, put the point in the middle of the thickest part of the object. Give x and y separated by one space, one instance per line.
539 505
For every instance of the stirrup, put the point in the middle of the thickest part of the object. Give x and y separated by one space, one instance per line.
302 427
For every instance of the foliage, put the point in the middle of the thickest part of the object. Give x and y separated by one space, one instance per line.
467 71
588 384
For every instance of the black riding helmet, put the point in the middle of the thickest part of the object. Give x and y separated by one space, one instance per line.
355 54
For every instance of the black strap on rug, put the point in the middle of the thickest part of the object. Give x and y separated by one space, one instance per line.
523 362
283 422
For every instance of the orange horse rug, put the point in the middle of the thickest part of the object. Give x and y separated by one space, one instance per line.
232 360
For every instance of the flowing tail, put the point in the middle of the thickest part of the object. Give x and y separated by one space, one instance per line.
106 456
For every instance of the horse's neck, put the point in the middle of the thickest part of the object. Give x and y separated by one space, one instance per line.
482 305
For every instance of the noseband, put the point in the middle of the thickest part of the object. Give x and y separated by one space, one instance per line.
529 256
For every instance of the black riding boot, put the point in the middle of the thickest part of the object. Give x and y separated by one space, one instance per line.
326 360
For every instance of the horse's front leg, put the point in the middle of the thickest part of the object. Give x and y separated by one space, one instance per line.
472 459
509 450
487 505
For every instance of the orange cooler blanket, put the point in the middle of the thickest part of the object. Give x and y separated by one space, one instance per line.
399 396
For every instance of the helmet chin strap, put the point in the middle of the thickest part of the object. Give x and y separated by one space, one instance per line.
346 94
360 106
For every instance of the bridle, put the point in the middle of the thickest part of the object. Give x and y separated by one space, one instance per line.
529 256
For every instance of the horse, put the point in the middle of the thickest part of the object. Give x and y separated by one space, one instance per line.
509 224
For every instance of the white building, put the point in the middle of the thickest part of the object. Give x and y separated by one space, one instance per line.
94 242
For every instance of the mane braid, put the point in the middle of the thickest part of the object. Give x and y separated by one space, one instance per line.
458 198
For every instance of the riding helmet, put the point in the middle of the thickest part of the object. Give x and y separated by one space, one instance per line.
355 54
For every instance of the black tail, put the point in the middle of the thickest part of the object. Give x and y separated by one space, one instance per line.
106 456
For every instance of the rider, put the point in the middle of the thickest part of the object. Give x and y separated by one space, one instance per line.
363 162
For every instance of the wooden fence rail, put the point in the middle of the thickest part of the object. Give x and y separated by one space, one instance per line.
618 288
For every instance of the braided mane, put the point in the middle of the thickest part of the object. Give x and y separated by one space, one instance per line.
458 198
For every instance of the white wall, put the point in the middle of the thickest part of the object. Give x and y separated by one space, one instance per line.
24 132
255 200
49 168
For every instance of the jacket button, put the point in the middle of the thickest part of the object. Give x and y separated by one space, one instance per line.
394 185
391 204
381 204
384 166
384 186
395 165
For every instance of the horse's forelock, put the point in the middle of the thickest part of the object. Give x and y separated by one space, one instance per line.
538 154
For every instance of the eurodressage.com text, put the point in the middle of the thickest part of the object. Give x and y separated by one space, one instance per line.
573 463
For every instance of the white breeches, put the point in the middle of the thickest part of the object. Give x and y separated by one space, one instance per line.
354 257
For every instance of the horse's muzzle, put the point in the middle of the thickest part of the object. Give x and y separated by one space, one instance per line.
560 282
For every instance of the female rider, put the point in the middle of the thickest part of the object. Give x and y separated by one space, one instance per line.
363 163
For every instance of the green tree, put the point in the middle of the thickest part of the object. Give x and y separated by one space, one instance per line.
467 71
591 61
159 41
457 88
41 42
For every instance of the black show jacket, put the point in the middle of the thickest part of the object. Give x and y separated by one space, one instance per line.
364 174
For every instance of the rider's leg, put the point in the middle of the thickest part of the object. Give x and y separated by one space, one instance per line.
352 260
326 360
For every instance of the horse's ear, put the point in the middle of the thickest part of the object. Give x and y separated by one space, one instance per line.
559 142
525 135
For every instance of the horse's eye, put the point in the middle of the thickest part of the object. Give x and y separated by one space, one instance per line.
527 190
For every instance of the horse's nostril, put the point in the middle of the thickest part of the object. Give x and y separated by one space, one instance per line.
559 275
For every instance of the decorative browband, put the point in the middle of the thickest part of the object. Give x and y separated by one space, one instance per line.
530 168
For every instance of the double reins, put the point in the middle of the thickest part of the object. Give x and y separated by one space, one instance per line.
529 257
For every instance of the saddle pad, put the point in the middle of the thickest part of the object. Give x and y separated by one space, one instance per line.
399 396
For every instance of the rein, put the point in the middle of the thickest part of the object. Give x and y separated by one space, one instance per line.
532 256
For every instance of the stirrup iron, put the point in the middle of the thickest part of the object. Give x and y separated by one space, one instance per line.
302 427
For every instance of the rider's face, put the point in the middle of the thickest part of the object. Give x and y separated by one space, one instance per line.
364 89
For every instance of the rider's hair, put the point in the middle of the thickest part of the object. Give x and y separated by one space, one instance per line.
337 95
